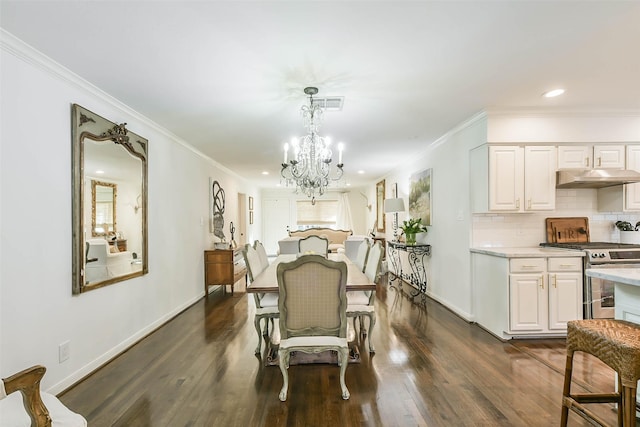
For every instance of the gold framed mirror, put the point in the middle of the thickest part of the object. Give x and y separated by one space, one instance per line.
109 182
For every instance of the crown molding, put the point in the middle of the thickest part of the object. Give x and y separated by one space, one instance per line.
562 112
23 51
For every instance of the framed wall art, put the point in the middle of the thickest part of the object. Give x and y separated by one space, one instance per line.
250 203
380 217
420 201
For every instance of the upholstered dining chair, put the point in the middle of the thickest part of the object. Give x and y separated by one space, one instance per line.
262 253
312 312
266 304
363 253
32 407
361 303
314 245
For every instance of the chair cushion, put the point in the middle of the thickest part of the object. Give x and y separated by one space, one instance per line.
315 341
12 412
357 298
269 300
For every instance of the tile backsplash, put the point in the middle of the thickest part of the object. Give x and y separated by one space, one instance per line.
528 229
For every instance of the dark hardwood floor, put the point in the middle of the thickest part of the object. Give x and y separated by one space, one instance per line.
431 368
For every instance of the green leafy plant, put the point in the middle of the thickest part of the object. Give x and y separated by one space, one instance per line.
626 226
413 226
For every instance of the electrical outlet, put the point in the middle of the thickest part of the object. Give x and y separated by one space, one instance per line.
64 350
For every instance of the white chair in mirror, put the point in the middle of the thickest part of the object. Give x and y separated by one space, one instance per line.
103 264
362 303
23 404
313 245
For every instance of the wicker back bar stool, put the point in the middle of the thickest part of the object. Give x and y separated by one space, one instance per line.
617 344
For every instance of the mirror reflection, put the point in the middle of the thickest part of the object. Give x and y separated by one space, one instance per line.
103 208
109 206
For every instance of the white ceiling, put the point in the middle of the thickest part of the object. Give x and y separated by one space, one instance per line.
228 76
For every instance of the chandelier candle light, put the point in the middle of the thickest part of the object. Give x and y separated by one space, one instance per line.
310 167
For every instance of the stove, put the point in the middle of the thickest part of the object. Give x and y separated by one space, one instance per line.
591 245
598 294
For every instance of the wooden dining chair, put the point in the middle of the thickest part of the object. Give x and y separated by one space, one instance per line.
363 253
262 253
312 312
313 245
361 303
23 404
266 303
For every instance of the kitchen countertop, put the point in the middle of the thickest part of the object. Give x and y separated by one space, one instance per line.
535 251
628 276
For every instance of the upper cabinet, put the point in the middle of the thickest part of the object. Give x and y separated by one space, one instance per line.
591 157
632 191
510 178
623 198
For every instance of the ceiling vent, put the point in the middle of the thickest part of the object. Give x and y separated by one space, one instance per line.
330 103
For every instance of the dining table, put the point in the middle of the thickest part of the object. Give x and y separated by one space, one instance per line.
267 282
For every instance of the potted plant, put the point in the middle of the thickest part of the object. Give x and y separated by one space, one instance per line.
628 232
411 227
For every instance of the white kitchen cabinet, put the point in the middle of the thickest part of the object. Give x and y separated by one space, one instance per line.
526 296
632 191
623 198
509 178
565 291
591 157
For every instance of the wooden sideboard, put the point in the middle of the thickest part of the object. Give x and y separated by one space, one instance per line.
223 267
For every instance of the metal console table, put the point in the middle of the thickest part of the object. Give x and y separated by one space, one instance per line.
417 276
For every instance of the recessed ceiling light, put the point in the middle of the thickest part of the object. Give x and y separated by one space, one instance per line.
553 93
99 172
265 173
360 172
348 184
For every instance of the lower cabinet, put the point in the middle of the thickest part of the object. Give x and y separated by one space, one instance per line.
544 293
534 296
223 267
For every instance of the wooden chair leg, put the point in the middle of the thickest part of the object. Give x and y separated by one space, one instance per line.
566 389
256 323
628 406
344 357
284 366
372 322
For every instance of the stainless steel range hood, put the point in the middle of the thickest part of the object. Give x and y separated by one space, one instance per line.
596 178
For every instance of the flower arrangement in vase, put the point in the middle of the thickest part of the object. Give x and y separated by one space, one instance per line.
411 227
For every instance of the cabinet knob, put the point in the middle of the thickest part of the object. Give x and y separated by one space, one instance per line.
518 203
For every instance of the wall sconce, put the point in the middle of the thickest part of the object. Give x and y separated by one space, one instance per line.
137 205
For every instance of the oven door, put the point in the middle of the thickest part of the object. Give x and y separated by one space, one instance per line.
599 294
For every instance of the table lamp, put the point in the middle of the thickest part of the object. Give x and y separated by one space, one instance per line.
394 206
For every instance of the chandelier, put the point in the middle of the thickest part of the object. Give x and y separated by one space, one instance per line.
310 166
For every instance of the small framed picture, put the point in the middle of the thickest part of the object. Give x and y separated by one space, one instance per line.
250 203
250 217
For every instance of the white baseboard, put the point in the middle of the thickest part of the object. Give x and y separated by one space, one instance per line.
118 349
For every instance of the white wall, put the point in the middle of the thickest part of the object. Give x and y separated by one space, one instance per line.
357 204
37 309
449 235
